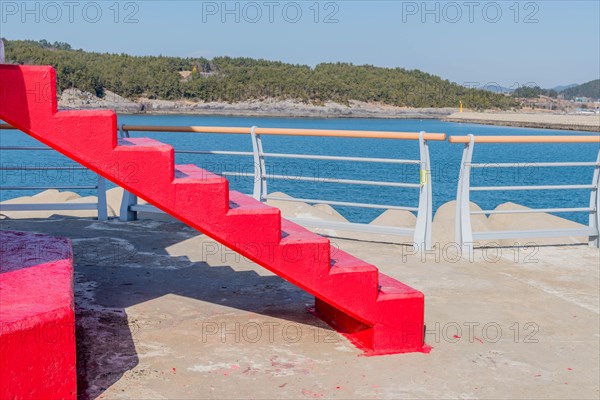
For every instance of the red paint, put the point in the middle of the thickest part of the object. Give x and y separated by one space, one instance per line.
570 369
478 339
456 337
375 312
310 393
37 318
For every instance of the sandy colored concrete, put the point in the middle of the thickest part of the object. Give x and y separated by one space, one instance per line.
50 196
331 211
325 212
443 231
582 122
164 312
521 222
444 223
397 218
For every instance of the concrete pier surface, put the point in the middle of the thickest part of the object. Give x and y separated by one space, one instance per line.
165 313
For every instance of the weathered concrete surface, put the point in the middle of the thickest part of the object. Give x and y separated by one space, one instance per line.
163 312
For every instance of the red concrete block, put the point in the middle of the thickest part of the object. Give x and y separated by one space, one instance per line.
37 318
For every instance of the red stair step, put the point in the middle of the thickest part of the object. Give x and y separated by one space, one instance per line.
241 204
143 164
199 192
251 227
303 256
190 173
351 272
396 320
28 95
391 289
100 138
352 286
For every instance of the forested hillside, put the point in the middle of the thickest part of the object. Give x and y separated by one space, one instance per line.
238 79
590 89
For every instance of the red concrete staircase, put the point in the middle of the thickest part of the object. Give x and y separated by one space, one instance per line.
377 313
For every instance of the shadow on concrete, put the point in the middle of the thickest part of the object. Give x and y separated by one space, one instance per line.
119 265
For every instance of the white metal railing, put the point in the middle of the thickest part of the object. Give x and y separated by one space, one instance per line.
100 187
464 231
421 233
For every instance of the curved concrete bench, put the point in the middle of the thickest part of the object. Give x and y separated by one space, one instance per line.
37 318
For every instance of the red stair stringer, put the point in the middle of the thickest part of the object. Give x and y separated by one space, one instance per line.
377 313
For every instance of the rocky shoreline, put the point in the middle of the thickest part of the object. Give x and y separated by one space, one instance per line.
76 99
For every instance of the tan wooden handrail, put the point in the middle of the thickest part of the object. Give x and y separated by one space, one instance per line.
527 139
287 132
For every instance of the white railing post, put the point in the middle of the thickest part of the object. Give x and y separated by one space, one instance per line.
122 132
102 207
129 199
463 228
595 204
125 213
260 170
422 235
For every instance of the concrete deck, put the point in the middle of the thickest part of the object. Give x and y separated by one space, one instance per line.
163 312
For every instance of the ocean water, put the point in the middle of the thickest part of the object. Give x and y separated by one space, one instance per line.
445 159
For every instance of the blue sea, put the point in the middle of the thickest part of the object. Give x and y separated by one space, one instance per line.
445 159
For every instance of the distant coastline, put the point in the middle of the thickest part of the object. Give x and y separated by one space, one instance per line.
76 99
569 122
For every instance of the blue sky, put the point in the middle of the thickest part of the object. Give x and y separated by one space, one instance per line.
470 42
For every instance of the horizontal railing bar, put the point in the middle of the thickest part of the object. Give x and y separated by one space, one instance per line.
226 153
533 165
287 132
527 139
339 158
248 174
345 181
351 226
42 168
146 208
535 233
25 148
546 187
189 129
45 187
533 211
48 206
342 203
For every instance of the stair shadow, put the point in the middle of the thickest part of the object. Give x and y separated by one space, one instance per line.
118 287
